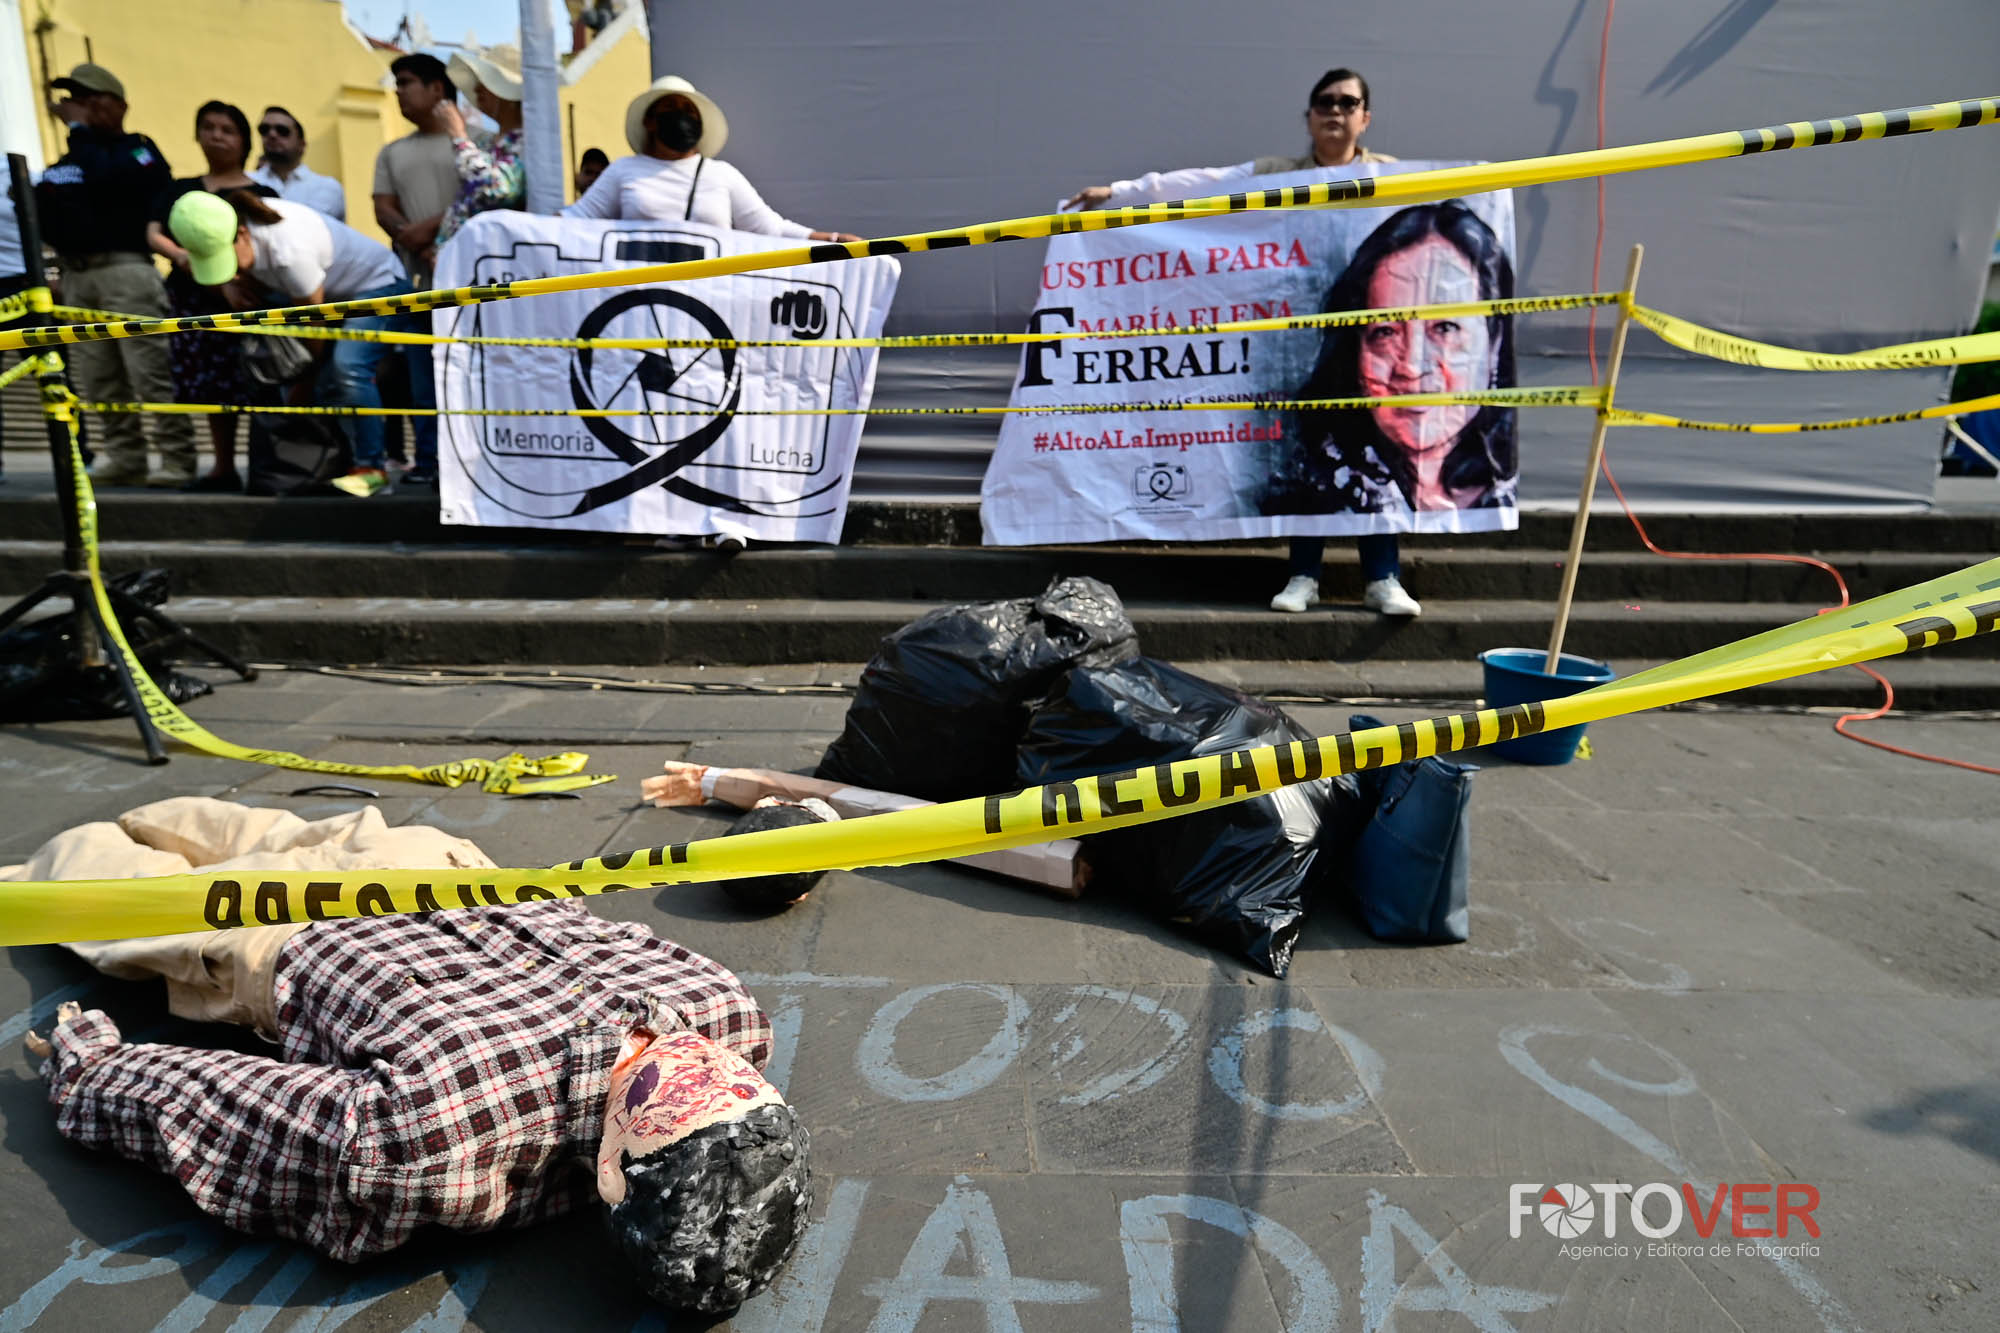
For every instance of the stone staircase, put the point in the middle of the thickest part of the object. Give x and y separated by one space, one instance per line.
343 580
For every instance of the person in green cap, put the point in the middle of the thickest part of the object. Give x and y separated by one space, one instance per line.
276 252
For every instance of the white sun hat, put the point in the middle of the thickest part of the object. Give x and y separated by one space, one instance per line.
714 125
498 67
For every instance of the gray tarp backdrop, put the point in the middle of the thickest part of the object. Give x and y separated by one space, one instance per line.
885 116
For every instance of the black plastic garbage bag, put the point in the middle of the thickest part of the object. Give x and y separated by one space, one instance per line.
941 707
39 678
1238 876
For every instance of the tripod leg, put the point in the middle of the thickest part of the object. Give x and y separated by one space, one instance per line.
130 609
53 586
156 750
243 670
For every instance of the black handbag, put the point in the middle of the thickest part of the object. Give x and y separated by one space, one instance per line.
1410 862
274 359
295 456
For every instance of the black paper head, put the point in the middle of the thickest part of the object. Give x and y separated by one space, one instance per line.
707 1222
774 893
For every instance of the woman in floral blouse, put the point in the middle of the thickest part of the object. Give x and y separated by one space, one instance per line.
492 177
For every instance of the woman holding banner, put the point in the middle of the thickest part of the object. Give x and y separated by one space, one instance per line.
1337 115
1409 460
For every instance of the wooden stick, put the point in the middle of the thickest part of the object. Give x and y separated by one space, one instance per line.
1596 461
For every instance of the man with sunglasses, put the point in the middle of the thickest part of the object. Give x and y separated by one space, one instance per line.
1337 115
283 169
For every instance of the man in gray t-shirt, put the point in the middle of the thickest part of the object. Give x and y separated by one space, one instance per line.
416 177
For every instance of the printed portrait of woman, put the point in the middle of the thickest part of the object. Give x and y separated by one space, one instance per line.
1396 459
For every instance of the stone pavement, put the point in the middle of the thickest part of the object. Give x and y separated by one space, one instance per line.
1731 949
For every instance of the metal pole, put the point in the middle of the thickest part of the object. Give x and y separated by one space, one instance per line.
90 651
1596 461
541 109
26 219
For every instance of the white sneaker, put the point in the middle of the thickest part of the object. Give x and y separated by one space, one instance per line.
1298 595
1388 597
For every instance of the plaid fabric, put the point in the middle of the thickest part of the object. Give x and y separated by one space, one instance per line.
444 1069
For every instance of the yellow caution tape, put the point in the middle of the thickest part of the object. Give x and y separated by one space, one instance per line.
1619 416
89 314
29 301
1578 395
22 369
1955 606
1517 305
1361 192
507 774
1693 337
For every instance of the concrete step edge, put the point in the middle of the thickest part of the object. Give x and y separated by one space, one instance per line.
1460 551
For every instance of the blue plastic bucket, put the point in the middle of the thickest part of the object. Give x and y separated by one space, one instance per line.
1515 676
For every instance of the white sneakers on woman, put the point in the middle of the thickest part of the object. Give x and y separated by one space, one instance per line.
1388 597
1298 595
1384 595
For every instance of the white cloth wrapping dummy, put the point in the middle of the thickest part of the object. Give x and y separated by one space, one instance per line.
1057 866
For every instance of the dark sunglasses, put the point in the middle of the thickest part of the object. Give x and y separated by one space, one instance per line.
1326 103
284 131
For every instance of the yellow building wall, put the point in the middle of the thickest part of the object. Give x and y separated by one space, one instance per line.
593 107
173 55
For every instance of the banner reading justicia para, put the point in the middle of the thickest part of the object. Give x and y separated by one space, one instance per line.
1112 475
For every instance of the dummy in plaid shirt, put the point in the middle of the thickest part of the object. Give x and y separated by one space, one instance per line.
445 1069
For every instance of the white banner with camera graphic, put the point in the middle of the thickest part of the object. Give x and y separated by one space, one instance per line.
698 460
1208 475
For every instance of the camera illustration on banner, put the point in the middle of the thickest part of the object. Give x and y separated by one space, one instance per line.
690 426
1161 481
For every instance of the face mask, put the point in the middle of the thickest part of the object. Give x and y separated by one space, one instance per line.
677 131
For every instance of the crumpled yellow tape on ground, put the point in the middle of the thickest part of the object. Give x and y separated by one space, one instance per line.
1415 187
1956 606
513 773
1693 337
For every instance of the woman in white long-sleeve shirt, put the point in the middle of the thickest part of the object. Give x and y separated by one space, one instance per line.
1337 114
675 132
